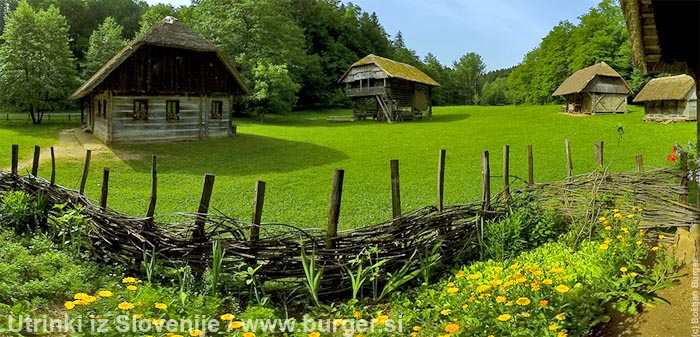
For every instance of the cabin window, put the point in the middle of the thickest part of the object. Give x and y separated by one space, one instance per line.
172 110
140 112
217 108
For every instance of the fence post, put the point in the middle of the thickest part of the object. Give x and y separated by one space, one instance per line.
154 195
441 180
53 167
258 202
204 205
683 196
395 189
485 181
569 164
86 169
35 163
506 171
15 158
530 166
334 209
640 163
105 188
599 154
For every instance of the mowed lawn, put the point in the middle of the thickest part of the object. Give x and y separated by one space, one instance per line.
296 156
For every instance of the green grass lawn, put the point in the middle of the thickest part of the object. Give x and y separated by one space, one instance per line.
27 135
296 155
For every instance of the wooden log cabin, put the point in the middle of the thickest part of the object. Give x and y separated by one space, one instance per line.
385 89
672 98
169 84
595 89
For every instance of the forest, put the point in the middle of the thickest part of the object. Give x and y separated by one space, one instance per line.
290 52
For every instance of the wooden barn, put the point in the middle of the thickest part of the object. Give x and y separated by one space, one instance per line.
595 89
388 90
669 98
169 84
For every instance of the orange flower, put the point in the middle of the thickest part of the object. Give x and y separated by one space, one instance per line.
452 327
543 303
235 325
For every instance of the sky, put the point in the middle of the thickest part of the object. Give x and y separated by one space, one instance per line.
501 31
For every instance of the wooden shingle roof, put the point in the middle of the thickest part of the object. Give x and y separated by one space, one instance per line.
394 69
580 79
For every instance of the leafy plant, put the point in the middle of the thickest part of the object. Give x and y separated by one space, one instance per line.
22 212
218 253
68 224
313 274
361 273
404 275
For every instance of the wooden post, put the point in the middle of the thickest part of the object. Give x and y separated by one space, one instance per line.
640 163
105 188
204 205
53 167
530 166
154 194
485 181
395 189
35 163
569 165
441 180
506 171
684 183
599 154
15 158
334 209
86 169
258 202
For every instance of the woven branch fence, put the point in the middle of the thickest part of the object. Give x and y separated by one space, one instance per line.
451 230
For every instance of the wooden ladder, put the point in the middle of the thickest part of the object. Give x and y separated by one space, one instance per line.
383 101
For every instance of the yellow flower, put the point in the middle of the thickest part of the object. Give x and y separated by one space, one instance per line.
129 280
137 316
535 287
460 274
547 281
655 248
500 299
357 314
490 336
522 301
248 334
617 216
451 284
498 269
196 332
619 237
161 306
446 312
504 317
235 325
603 246
630 216
338 322
315 334
465 306
417 328
80 296
483 287
602 218
633 274
623 269
105 293
661 236
562 334
543 303
452 327
556 270
560 316
452 290
69 305
625 230
381 319
616 210
227 317
475 276
607 228
606 222
156 321
515 266
561 288
125 306
553 327
639 242
132 288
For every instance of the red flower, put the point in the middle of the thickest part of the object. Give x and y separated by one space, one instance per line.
672 157
675 149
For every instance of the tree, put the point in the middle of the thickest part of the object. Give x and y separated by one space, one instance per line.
37 68
401 53
105 42
468 71
154 15
274 89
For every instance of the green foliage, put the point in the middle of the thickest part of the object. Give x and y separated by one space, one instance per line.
468 71
22 212
37 69
104 43
68 227
313 275
275 91
154 15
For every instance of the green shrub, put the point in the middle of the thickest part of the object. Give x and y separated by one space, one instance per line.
22 212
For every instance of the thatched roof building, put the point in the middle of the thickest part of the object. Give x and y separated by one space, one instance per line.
595 89
388 90
669 98
168 84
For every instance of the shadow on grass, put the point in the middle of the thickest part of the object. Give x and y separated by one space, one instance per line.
240 155
316 120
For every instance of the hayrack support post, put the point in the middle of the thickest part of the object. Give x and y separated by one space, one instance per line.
35 163
640 163
258 203
86 169
15 158
530 166
599 154
569 164
334 209
204 205
485 181
395 189
506 172
441 180
154 194
105 188
53 168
